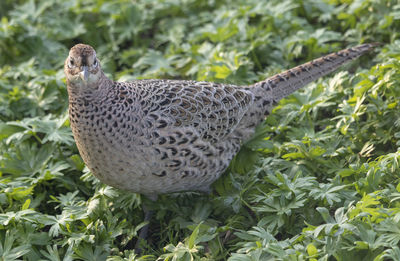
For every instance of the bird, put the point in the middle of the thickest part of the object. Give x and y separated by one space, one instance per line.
158 136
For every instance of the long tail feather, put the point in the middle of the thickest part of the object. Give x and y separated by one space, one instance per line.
285 83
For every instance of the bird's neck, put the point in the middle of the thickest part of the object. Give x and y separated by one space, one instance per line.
91 91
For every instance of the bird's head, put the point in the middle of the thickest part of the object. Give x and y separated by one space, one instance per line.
82 68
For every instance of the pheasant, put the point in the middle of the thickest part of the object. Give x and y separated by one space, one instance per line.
162 136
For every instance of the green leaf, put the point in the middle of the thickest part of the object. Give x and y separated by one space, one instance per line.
312 250
222 71
193 236
26 204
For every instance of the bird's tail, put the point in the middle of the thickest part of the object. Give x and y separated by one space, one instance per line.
283 84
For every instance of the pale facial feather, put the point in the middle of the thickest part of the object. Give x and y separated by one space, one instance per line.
82 55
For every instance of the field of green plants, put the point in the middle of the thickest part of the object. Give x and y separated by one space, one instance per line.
319 181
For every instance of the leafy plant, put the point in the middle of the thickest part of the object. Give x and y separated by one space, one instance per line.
318 181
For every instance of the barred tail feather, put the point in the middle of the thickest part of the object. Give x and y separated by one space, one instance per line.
283 84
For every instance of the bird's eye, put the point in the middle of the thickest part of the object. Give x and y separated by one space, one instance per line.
95 63
71 63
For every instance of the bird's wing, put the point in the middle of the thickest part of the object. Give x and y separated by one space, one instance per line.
213 110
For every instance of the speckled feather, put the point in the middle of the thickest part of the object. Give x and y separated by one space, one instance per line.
162 136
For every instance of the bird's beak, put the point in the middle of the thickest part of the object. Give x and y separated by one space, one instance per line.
84 74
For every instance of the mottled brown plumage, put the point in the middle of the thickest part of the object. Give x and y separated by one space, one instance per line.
161 136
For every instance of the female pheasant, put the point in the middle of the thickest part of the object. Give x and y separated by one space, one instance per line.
161 136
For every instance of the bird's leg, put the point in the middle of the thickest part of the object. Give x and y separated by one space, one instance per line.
148 213
144 230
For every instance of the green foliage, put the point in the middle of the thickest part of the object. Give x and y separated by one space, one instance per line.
318 181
